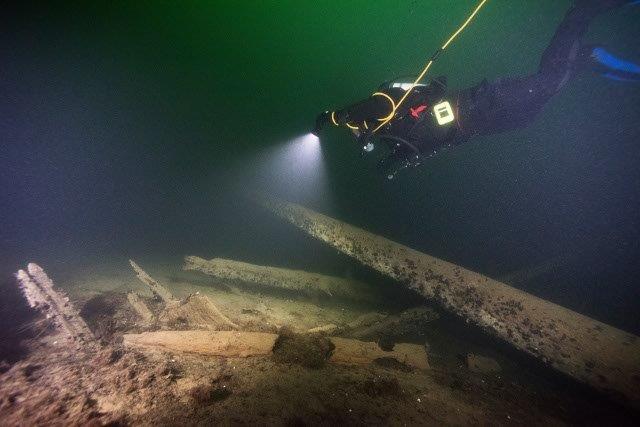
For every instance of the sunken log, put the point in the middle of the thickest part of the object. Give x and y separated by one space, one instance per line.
312 284
590 351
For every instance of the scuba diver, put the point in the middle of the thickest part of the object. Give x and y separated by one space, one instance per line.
416 121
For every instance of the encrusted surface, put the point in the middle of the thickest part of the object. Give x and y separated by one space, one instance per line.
588 350
39 291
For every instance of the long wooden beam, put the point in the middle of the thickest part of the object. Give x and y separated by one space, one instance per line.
590 351
283 278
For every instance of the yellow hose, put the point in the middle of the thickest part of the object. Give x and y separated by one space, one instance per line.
393 106
426 68
333 118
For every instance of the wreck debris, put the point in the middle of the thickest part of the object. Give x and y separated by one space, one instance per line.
324 329
590 351
482 364
355 352
373 326
409 322
207 343
296 280
39 292
157 289
308 350
245 344
194 312
140 307
366 320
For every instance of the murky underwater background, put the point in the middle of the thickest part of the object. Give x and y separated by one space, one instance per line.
134 130
129 128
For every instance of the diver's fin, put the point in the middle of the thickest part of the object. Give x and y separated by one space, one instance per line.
612 62
610 66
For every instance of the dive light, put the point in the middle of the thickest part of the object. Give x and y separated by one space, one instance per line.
321 121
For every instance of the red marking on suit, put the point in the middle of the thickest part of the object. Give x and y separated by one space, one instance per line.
415 112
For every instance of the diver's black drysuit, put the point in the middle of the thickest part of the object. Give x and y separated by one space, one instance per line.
487 108
513 102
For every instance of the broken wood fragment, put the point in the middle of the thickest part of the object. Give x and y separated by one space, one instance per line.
196 312
157 289
482 364
366 319
354 352
410 322
296 280
245 344
39 292
324 329
588 350
207 343
374 326
140 307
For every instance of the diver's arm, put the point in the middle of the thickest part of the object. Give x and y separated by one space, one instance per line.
363 113
369 109
357 117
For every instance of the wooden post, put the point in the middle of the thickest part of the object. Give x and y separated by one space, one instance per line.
41 295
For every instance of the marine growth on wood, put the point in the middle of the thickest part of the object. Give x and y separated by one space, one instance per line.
40 293
593 352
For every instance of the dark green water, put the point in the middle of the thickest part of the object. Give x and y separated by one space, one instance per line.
131 128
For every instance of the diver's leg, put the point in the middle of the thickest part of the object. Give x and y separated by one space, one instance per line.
564 55
510 103
500 105
560 56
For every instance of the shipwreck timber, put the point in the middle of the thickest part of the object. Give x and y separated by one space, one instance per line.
248 344
311 284
42 295
590 351
195 310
